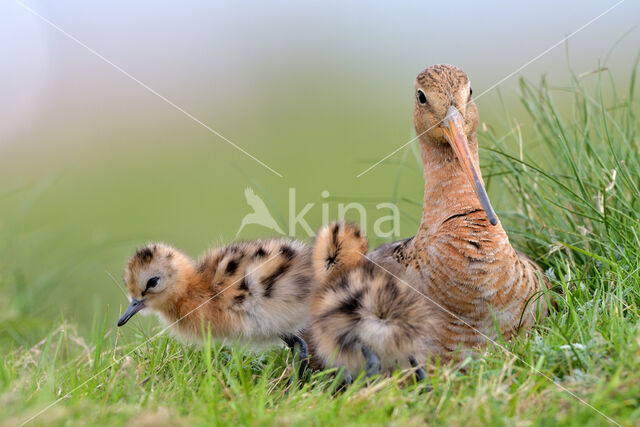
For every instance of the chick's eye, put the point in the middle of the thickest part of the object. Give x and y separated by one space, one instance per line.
422 99
151 283
470 91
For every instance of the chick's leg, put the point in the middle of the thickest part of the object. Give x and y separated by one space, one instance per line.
292 341
420 372
372 361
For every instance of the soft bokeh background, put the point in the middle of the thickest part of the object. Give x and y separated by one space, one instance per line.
93 164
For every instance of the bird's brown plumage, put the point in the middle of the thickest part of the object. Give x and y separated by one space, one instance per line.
467 265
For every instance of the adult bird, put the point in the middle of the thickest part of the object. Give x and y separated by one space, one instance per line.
475 285
461 252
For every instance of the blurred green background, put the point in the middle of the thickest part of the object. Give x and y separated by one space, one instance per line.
92 164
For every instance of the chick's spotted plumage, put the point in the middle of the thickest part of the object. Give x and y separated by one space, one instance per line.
256 292
364 317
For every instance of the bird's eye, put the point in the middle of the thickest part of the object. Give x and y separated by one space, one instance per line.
151 283
422 99
470 91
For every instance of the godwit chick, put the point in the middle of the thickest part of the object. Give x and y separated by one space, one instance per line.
461 259
256 292
363 316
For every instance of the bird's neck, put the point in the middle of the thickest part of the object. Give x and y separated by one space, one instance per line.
454 225
447 191
181 297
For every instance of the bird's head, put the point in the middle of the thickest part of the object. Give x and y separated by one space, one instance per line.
150 277
445 113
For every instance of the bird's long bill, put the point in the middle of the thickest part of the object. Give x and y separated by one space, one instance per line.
456 137
135 306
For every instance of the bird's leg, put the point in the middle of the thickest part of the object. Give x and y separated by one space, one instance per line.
420 373
292 341
345 381
372 365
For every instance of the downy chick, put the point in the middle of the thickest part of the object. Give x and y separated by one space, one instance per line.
363 316
253 292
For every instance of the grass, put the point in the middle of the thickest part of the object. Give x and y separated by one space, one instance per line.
573 198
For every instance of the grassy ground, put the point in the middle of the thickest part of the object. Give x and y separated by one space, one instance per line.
574 209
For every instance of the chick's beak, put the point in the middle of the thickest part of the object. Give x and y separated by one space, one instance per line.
454 133
134 307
